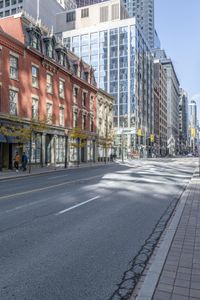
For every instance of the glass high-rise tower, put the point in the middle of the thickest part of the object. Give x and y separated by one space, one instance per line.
143 10
104 36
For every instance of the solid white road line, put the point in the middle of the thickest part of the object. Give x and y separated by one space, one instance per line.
58 176
77 205
50 187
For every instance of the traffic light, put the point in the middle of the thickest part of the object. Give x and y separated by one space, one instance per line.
152 138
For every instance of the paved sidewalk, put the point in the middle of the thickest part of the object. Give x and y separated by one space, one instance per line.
180 275
9 174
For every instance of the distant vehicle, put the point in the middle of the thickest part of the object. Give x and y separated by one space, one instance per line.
189 155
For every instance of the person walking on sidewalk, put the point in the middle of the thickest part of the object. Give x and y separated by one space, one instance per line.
16 161
24 161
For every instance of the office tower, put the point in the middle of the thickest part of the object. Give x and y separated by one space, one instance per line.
157 44
193 113
172 101
81 3
160 107
193 126
183 121
113 44
38 9
143 10
67 4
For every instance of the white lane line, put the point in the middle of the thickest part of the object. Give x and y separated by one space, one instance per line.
23 206
58 176
77 205
51 186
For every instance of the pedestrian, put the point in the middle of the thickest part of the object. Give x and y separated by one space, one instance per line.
16 161
24 161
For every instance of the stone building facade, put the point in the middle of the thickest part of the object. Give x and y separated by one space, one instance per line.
104 124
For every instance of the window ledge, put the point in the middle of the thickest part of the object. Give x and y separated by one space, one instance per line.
35 87
16 79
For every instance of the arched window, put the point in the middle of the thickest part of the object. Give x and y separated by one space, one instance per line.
34 34
35 41
49 49
62 59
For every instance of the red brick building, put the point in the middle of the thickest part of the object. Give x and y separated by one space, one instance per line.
40 79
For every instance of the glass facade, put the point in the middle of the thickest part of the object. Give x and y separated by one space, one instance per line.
114 66
75 45
84 48
122 63
94 52
103 60
123 75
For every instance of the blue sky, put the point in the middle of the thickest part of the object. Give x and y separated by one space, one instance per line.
178 26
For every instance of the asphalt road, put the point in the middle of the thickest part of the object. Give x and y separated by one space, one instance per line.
71 234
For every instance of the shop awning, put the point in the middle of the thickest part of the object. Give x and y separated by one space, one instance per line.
2 139
9 139
12 140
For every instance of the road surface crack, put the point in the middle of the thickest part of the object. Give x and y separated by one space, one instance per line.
138 264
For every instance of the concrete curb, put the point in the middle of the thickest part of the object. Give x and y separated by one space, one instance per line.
152 276
53 171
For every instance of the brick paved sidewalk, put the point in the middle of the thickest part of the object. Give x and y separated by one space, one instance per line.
173 272
180 277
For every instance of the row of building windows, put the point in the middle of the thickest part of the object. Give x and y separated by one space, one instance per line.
7 3
14 74
4 12
104 13
13 107
84 121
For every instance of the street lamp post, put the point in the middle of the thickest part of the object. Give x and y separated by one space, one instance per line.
78 154
199 159
94 149
66 151
122 143
1 156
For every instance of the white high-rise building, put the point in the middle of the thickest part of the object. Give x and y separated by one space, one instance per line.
45 10
143 10
67 4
